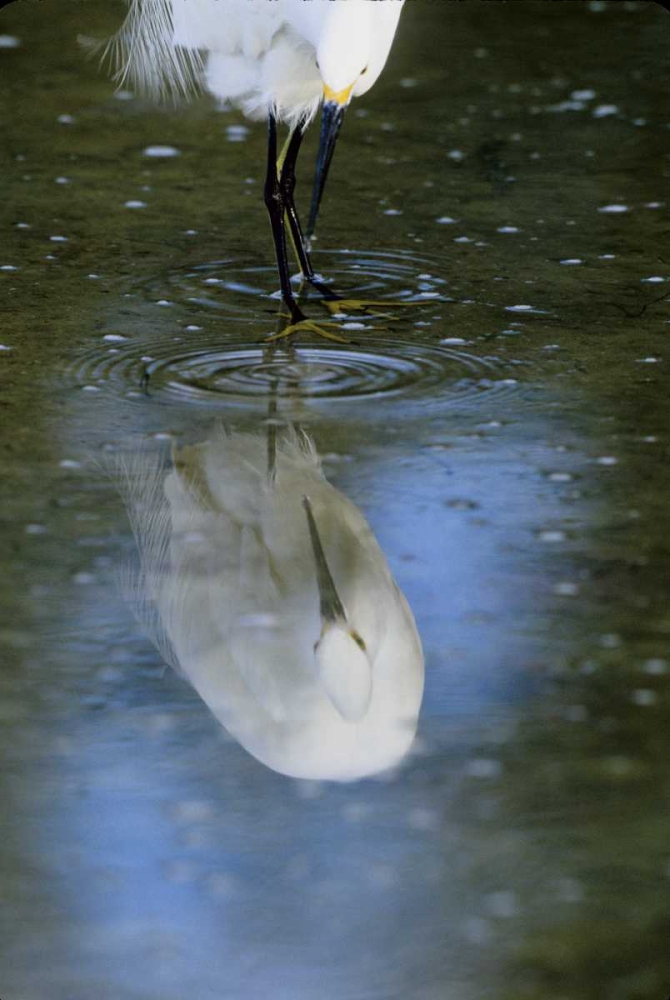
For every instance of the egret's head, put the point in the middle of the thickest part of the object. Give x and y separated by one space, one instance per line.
352 47
344 50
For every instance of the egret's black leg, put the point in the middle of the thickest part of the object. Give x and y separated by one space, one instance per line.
287 187
287 183
276 205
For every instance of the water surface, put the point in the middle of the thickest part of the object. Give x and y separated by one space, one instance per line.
506 437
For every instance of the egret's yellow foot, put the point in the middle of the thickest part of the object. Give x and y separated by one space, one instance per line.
309 326
374 306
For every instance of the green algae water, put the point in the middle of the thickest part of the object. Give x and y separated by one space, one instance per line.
503 427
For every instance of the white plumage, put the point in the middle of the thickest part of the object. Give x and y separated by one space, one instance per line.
274 58
260 55
272 597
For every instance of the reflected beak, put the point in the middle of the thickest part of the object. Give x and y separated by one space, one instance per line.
332 116
329 601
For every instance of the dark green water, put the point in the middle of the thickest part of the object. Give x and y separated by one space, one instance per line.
512 462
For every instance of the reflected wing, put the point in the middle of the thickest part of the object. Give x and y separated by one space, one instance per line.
140 476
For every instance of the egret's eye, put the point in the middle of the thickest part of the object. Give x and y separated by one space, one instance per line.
364 70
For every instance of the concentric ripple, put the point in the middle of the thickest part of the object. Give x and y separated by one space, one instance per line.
229 286
211 348
200 373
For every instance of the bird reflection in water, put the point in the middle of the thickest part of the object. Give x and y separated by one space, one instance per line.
265 587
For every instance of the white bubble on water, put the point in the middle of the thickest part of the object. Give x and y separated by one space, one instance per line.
655 666
551 537
644 697
605 110
583 95
161 152
566 588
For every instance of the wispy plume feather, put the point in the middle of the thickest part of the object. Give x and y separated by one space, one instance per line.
143 53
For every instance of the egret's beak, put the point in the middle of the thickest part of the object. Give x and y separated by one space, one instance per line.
329 600
334 106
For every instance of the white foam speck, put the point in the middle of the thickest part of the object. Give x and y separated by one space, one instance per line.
69 463
456 154
392 211
613 209
572 260
655 279
560 477
654 204
519 309
507 229
648 361
566 106
605 110
135 204
164 302
58 239
9 42
192 328
583 95
644 697
607 256
610 640
655 666
462 239
453 340
607 460
6 347
63 180
8 267
551 537
161 152
483 767
566 588
446 220
237 133
66 119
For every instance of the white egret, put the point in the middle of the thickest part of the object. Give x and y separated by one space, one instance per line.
274 58
265 587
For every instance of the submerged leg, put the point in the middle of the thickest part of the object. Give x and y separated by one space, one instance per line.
279 188
334 302
275 204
